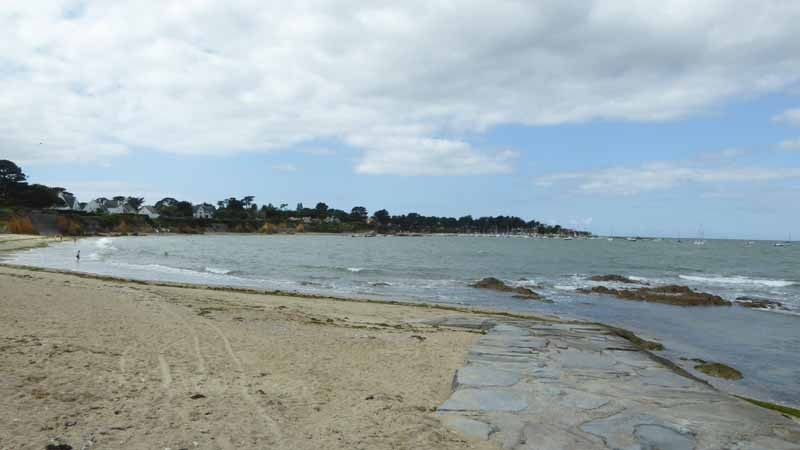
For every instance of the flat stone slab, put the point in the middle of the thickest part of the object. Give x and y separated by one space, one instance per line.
559 386
487 399
467 427
486 376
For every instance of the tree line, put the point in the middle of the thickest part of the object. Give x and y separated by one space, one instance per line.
15 191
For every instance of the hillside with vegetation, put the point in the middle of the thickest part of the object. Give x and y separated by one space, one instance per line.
34 208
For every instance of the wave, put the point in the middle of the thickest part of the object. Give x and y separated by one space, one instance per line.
218 271
105 244
204 274
737 280
355 269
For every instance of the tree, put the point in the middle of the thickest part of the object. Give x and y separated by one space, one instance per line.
359 213
164 203
36 196
11 180
10 173
382 217
135 202
183 209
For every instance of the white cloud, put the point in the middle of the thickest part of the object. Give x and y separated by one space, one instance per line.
416 156
724 154
789 117
660 176
790 145
317 151
214 77
284 168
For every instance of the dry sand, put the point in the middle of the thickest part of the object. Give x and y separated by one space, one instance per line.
108 364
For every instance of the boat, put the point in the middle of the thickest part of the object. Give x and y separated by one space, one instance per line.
700 237
785 243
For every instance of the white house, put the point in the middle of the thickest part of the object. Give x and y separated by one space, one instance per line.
331 219
204 211
68 202
96 205
119 207
149 211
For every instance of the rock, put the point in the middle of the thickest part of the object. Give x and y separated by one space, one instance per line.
197 396
669 294
500 286
485 376
636 340
756 302
490 399
615 279
719 370
57 445
468 427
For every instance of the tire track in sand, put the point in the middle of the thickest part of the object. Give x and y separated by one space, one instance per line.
271 423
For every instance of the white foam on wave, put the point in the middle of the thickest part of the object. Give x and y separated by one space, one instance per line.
737 280
105 244
355 269
195 274
562 287
218 271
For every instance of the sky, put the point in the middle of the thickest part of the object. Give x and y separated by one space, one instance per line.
662 118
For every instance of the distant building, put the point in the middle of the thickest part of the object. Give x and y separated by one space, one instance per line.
67 201
104 205
149 211
204 211
97 205
331 219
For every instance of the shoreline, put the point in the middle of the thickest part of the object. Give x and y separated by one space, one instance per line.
93 361
646 346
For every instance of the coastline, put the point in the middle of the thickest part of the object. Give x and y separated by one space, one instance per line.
119 362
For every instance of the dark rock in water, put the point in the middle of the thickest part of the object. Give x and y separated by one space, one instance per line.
498 285
669 294
615 279
755 302
719 371
58 446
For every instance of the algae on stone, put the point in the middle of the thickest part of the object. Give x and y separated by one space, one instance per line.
719 370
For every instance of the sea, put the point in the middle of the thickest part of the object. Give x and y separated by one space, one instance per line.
763 344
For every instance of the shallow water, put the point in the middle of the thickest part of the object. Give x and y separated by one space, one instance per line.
438 269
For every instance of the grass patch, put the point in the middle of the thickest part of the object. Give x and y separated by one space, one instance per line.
773 406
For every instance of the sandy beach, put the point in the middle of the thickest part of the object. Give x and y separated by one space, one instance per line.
98 362
107 364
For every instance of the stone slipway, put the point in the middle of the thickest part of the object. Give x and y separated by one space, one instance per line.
562 386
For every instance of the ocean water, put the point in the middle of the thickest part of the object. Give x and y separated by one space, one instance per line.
763 345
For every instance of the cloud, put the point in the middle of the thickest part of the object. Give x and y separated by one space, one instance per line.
790 145
789 117
724 155
659 177
416 156
317 151
97 80
288 168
